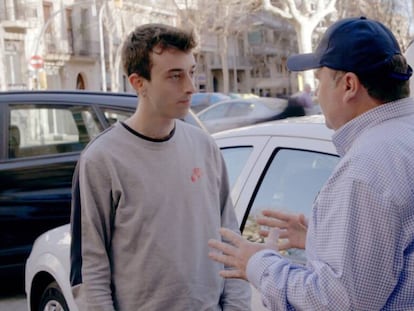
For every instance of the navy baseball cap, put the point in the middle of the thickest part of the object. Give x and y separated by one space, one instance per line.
357 45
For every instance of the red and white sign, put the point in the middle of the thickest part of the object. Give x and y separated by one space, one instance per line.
36 62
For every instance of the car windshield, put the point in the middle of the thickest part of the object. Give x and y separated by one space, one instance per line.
201 98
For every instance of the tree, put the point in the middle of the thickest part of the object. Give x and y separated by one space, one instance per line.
223 19
120 20
311 18
305 16
395 14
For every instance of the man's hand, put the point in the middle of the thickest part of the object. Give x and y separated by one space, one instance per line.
292 228
237 252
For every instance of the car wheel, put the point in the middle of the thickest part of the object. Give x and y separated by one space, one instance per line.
52 299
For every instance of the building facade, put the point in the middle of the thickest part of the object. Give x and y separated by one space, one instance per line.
75 44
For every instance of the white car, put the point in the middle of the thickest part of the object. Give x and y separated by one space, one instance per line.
279 164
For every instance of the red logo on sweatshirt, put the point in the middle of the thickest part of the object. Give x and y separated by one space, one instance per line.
196 174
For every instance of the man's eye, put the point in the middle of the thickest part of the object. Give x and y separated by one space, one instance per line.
175 76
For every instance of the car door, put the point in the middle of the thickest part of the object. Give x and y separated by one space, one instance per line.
278 160
44 140
287 174
240 155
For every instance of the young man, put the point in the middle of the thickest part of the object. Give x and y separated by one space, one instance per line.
360 241
149 194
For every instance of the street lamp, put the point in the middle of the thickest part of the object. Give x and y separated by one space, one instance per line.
3 86
101 39
101 45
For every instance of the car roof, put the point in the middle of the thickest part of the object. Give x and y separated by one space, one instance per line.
109 98
207 98
120 100
272 105
307 127
206 94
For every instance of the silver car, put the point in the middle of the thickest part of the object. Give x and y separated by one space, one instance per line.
235 113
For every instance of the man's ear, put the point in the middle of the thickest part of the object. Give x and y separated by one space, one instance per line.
136 81
352 85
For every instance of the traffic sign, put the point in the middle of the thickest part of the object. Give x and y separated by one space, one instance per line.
36 61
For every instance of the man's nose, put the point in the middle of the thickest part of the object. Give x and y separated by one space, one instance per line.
190 84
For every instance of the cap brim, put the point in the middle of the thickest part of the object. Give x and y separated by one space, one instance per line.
302 62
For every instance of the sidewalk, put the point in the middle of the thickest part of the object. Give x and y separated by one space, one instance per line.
16 303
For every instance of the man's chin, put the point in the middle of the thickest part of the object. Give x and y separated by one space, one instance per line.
181 113
180 116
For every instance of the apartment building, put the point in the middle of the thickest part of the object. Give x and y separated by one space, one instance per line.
66 44
75 44
38 47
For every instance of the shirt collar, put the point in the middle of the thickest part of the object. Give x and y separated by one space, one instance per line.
344 137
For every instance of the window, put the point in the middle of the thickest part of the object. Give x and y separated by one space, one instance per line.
47 14
291 184
217 112
36 131
69 28
112 115
240 109
255 37
13 65
235 159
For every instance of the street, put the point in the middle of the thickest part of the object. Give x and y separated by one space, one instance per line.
12 296
13 303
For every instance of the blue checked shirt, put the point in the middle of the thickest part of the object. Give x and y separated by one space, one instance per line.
360 242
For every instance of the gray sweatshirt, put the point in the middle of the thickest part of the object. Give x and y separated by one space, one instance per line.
142 214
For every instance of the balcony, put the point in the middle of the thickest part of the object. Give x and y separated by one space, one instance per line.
86 48
55 45
16 15
270 49
233 62
16 26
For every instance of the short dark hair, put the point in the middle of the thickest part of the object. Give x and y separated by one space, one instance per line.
380 83
141 42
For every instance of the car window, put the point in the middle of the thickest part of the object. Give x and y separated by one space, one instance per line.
240 109
112 115
37 130
207 98
199 98
235 159
216 112
290 183
216 97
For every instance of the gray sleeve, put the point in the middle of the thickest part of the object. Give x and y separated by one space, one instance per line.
95 226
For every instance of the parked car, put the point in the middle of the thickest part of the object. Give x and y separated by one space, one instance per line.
243 95
234 113
279 164
41 136
202 100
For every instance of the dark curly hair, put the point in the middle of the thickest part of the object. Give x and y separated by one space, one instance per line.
155 38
